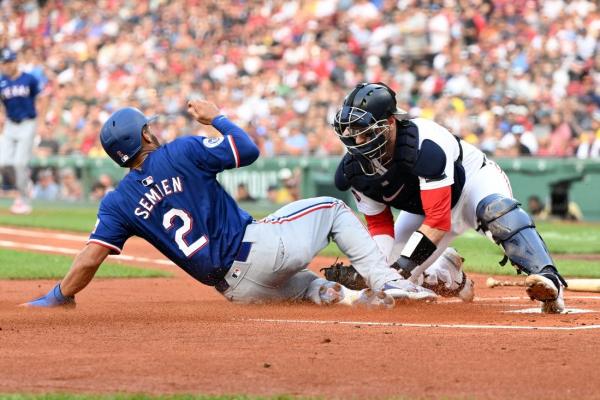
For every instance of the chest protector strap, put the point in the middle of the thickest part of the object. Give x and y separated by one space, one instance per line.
407 144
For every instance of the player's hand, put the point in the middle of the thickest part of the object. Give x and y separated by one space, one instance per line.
54 298
203 111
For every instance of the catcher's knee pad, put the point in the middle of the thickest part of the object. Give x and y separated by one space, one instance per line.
512 228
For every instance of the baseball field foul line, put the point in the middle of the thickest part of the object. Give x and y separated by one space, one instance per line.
411 325
63 250
38 234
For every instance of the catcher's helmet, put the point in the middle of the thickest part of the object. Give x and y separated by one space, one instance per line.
365 112
121 134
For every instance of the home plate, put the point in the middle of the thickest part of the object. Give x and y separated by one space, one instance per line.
538 310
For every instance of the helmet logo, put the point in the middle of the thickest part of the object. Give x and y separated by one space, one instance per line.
123 157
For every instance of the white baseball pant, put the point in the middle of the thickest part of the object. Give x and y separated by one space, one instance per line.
489 179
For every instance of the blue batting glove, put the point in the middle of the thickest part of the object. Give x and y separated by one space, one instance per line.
54 298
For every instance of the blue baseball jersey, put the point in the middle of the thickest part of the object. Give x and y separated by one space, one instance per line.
18 96
176 203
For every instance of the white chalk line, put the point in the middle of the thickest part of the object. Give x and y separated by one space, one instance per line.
538 310
64 250
495 299
414 325
39 234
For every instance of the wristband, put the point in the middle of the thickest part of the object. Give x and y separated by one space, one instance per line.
53 298
418 249
60 297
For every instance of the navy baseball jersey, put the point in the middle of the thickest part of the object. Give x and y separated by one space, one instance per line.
176 203
18 96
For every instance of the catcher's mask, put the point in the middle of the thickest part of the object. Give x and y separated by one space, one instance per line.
365 113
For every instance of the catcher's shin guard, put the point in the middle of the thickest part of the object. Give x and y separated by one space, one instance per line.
507 224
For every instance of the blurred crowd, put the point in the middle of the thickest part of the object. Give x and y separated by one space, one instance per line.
513 77
64 184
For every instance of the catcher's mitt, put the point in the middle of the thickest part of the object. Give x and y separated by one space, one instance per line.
346 275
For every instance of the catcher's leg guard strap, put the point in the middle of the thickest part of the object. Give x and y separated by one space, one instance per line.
514 230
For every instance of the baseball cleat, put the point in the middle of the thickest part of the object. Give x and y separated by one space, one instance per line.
331 293
373 299
450 281
466 288
455 259
544 289
405 290
20 208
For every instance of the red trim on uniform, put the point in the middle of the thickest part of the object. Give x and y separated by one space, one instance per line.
296 216
107 245
236 154
382 223
436 204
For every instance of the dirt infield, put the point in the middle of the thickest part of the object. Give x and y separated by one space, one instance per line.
178 336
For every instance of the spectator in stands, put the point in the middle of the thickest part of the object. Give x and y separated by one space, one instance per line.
47 144
46 187
288 189
282 67
107 181
537 208
103 185
243 194
70 187
97 192
272 194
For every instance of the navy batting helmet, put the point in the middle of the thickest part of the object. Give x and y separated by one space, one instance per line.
7 55
121 134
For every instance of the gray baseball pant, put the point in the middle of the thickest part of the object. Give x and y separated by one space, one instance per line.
285 242
16 144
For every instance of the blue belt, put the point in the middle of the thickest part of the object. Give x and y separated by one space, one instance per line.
243 251
242 256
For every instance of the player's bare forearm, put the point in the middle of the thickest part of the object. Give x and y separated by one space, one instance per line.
83 269
433 234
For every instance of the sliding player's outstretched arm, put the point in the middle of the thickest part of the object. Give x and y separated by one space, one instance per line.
82 271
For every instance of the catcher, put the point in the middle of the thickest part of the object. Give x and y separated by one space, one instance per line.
443 186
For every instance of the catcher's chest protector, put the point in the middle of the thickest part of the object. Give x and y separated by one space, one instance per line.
399 186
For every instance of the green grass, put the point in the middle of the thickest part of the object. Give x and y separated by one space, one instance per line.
481 255
24 265
78 217
63 216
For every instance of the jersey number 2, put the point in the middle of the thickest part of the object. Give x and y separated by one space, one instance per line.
188 249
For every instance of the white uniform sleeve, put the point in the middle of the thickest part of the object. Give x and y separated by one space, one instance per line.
365 204
429 130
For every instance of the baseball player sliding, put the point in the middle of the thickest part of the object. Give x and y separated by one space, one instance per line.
443 186
171 198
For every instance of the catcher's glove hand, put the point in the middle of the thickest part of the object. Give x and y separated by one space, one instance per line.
346 275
